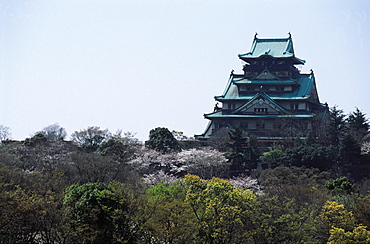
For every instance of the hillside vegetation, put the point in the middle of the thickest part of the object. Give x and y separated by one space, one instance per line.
102 187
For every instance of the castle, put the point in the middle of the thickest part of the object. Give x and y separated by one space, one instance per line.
272 99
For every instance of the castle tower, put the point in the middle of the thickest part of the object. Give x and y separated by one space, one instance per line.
272 99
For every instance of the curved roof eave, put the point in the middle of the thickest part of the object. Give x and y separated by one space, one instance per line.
260 116
251 58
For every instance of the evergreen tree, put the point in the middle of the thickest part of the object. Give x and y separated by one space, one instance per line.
349 150
238 154
162 140
243 153
358 125
336 126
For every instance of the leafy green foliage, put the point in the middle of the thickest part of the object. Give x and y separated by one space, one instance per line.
244 153
273 158
358 125
118 150
93 211
222 212
341 186
162 140
337 125
293 176
316 156
349 150
285 220
127 193
171 220
359 235
335 215
30 206
36 139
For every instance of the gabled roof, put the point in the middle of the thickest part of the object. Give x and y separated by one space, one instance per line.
273 47
266 75
262 98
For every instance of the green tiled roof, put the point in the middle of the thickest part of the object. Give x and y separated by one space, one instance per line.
265 96
220 115
273 47
305 83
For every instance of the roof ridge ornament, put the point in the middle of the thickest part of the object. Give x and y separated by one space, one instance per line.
255 35
289 35
232 73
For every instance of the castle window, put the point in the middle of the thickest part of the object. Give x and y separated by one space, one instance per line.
260 110
294 106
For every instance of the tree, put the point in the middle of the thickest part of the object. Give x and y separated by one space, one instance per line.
273 158
4 133
91 138
162 140
93 212
119 150
205 162
170 218
159 177
93 167
54 132
179 135
238 155
30 207
147 161
335 215
285 220
304 185
317 156
341 186
247 183
336 125
359 235
220 139
294 176
358 125
222 212
244 151
36 139
349 150
126 138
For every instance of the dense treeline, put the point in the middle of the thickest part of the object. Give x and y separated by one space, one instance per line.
109 188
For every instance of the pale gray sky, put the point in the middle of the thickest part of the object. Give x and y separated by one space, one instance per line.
137 65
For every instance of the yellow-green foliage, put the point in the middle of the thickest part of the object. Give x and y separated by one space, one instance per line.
335 215
359 235
222 212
